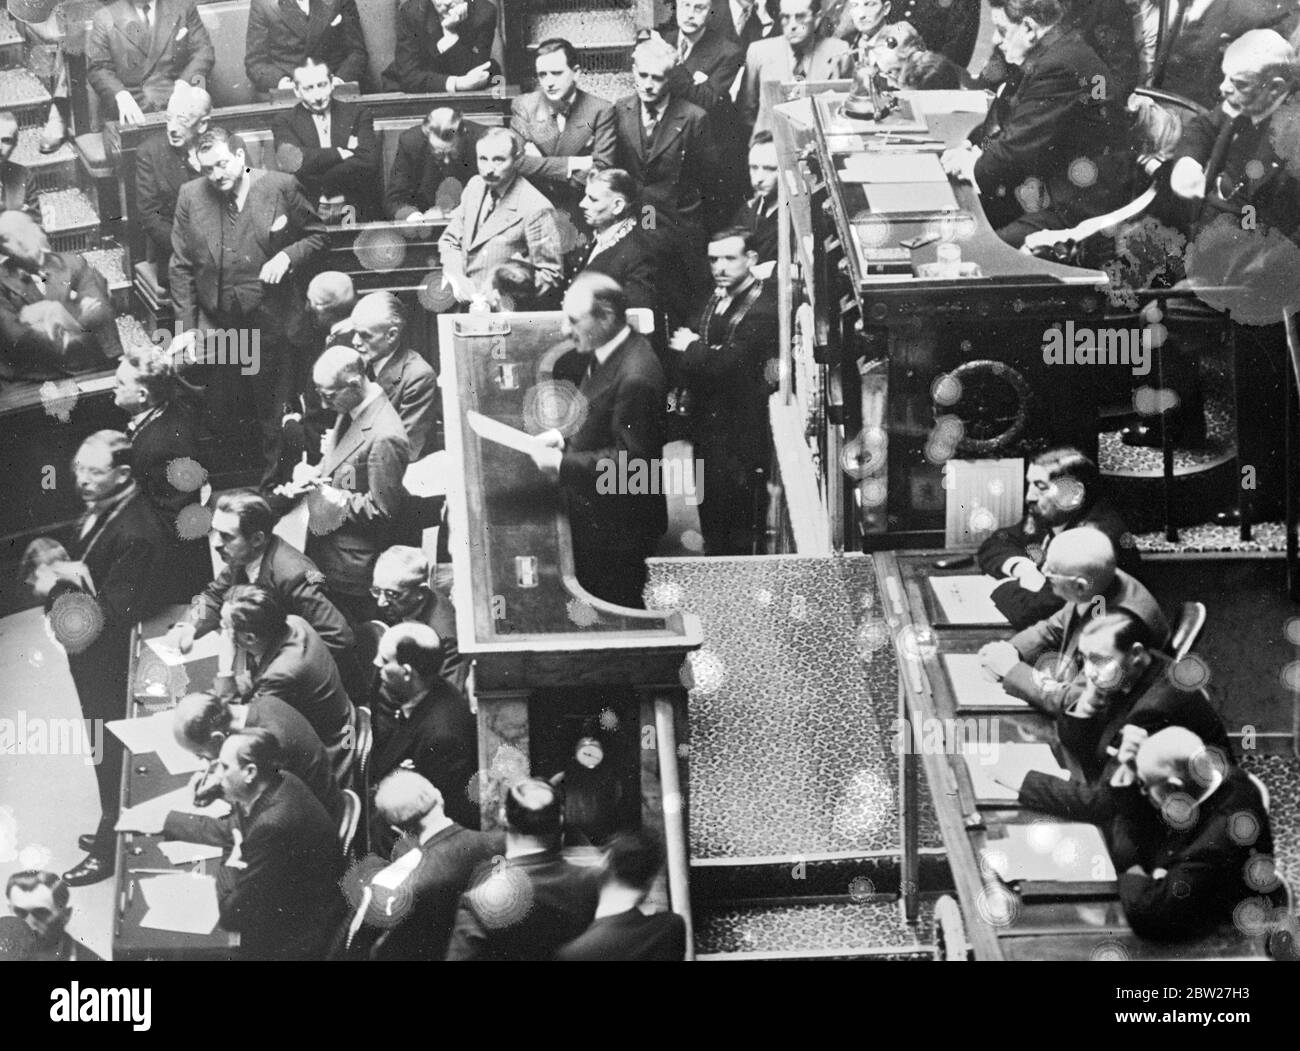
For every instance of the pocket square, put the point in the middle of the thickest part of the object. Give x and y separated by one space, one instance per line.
337 20
352 140
185 31
281 221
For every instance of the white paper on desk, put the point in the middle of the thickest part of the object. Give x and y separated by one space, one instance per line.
183 903
1047 851
797 111
896 198
153 733
204 647
429 476
179 852
151 814
949 101
292 528
972 688
1010 762
967 599
894 167
503 434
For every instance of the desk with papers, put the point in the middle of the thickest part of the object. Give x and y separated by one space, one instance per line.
1028 886
165 906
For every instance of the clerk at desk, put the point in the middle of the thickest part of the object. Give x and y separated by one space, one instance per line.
623 387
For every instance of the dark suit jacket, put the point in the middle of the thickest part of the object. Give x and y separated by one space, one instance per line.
563 901
755 29
121 552
635 262
285 901
294 580
322 172
1194 65
299 671
425 902
411 387
728 377
17 942
760 218
276 217
588 132
439 741
950 27
71 281
1275 194
630 935
19 189
369 464
301 751
417 173
419 66
1049 122
1204 865
680 167
1023 608
280 36
160 172
119 57
625 400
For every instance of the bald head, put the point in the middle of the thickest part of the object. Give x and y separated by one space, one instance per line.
377 324
331 295
340 378
404 797
1083 561
22 239
1259 69
1176 760
200 722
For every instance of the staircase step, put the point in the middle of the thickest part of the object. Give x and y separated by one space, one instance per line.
609 86
24 96
11 43
70 219
52 171
719 882
584 28
872 928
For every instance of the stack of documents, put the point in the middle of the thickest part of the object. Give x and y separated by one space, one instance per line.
154 734
1050 851
1008 762
967 599
183 903
974 689
149 817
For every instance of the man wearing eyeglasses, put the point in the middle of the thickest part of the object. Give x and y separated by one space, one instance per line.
798 54
1041 664
16 184
402 593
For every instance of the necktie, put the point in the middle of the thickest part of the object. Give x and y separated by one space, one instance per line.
489 206
744 10
341 428
683 47
651 120
232 209
370 370
144 17
561 118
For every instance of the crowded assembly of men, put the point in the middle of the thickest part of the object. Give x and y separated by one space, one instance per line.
664 200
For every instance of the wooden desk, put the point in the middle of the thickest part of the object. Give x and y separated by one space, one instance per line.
1020 921
155 687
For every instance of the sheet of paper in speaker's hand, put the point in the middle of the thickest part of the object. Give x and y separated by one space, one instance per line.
183 903
179 852
154 733
1009 762
429 476
972 688
502 433
1049 851
967 599
205 646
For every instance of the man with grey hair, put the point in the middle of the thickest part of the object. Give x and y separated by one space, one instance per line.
622 384
56 316
164 163
355 493
500 216
17 187
434 162
403 592
409 383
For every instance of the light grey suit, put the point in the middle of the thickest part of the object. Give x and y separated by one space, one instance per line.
772 59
